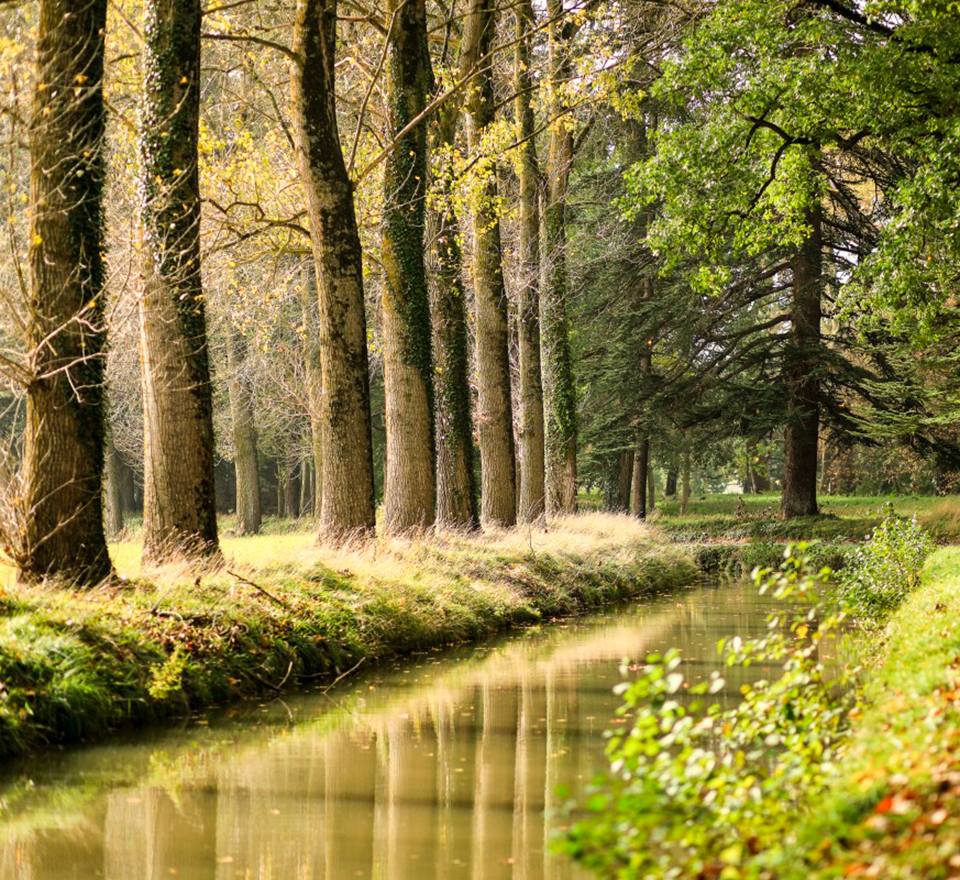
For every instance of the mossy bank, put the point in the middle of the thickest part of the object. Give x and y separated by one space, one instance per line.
281 612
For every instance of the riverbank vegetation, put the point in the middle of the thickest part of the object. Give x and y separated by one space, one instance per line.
840 763
283 612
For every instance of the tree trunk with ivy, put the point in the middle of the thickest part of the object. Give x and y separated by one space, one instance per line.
347 506
456 484
799 496
245 455
179 514
61 513
498 497
532 503
409 484
559 391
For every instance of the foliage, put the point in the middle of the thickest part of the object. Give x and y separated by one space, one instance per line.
696 790
886 569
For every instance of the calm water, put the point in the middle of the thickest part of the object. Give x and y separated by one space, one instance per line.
441 767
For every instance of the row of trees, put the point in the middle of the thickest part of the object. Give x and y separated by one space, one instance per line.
420 238
57 519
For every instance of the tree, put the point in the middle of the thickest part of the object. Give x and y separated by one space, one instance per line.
494 405
347 505
179 514
245 457
559 392
62 513
409 491
532 503
799 496
456 483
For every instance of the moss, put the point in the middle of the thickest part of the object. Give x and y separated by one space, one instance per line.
73 665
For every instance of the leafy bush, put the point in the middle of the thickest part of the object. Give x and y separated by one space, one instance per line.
695 790
886 569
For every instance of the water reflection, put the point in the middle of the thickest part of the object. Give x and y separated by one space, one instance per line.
444 767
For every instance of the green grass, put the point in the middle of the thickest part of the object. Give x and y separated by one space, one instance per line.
895 807
843 518
75 664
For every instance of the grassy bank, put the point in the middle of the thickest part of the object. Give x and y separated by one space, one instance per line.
895 810
726 518
73 665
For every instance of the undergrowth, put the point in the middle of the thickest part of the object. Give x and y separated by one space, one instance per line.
764 789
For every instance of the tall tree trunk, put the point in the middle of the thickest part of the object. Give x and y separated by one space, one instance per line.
311 355
498 495
685 482
532 504
291 489
759 475
306 486
347 507
246 460
799 496
62 510
281 488
651 486
179 499
641 461
625 478
409 483
112 491
129 495
559 392
456 484
670 488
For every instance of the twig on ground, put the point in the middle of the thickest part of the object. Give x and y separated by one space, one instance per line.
259 589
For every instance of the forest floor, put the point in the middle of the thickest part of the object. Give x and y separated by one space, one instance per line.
894 811
283 612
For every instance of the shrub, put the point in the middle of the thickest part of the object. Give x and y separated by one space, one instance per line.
695 790
886 568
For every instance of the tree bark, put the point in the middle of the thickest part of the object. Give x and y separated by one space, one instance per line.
799 497
291 489
532 504
625 478
670 489
306 486
651 486
62 514
179 496
311 355
347 506
498 496
641 461
559 392
456 483
245 457
409 483
685 483
112 491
